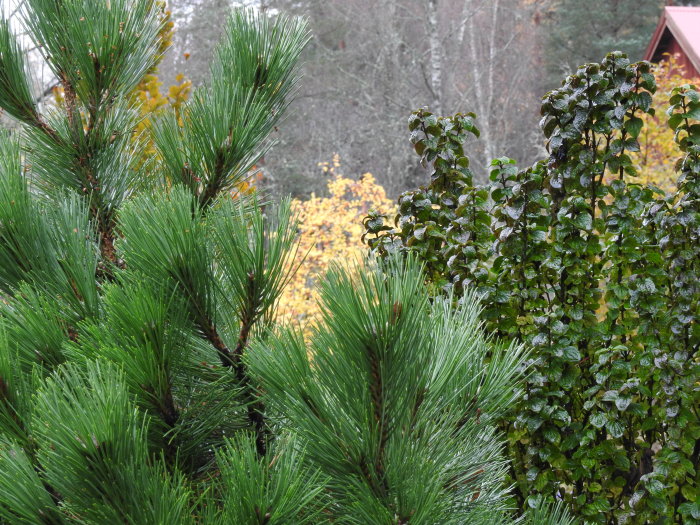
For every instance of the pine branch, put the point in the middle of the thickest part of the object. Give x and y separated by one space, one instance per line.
98 51
256 408
234 361
376 388
226 123
250 484
113 362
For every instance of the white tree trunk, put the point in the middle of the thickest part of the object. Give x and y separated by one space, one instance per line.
483 74
435 57
490 143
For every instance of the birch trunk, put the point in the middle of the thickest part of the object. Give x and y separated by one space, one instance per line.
483 72
435 57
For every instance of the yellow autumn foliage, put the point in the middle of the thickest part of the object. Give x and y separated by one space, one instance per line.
152 101
330 230
658 151
148 95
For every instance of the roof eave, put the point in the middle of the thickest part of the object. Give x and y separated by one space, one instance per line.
690 52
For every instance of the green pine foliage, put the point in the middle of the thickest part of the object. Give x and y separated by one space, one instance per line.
594 271
222 133
142 378
391 390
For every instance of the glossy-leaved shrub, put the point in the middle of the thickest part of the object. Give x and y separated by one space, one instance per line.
598 274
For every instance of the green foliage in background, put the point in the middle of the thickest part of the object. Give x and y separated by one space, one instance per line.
597 274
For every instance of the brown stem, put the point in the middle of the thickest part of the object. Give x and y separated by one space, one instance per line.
243 337
4 397
209 194
256 415
98 212
212 335
49 519
234 360
107 238
168 409
71 100
256 408
43 126
216 181
376 387
168 413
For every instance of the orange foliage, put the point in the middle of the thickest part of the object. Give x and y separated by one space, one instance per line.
658 152
248 185
330 230
152 101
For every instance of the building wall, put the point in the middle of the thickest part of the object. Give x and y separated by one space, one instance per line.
671 46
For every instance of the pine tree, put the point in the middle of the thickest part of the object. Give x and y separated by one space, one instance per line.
141 378
395 398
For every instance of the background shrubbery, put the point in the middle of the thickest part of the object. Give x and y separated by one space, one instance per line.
330 229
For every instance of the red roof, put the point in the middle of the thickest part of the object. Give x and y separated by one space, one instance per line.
681 24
